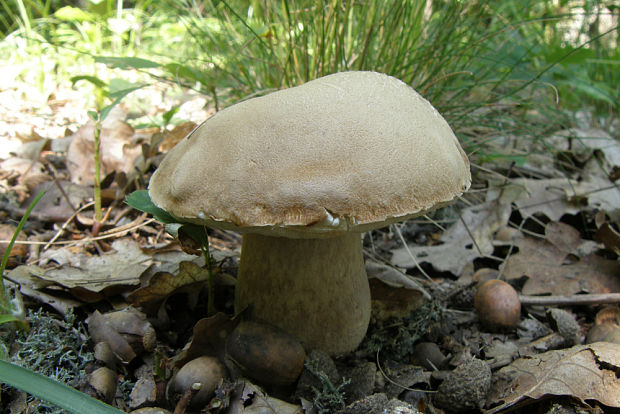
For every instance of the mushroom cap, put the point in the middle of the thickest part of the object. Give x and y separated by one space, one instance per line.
352 151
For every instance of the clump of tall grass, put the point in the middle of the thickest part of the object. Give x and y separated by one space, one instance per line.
459 55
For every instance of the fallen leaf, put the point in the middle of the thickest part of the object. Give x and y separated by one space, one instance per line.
29 282
102 331
60 201
609 236
457 248
126 332
163 284
144 392
543 262
209 339
584 372
393 277
30 172
20 250
393 302
601 194
566 238
250 399
118 152
83 274
175 136
585 141
551 197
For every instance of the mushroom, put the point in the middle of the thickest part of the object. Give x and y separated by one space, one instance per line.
302 172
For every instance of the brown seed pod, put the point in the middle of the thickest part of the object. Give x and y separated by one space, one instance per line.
606 326
103 380
497 305
265 353
206 371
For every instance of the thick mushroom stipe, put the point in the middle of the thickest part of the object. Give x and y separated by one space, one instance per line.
321 282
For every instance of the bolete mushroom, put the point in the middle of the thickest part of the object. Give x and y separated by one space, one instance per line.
302 172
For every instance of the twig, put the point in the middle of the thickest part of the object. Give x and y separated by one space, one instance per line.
584 299
115 233
183 403
402 239
396 383
66 223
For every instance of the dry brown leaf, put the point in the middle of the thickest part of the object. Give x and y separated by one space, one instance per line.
601 194
118 268
248 398
57 205
543 262
457 248
144 392
163 284
127 332
585 372
609 236
118 153
393 302
103 331
393 277
175 136
209 339
31 173
6 232
29 282
584 142
551 197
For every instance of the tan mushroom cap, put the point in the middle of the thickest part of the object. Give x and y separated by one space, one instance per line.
349 151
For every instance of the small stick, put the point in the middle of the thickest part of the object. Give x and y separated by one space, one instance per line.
183 403
585 299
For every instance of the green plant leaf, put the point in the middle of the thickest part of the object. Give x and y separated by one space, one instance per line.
184 71
570 55
196 232
92 79
167 117
51 391
4 298
73 14
118 95
595 90
127 62
140 200
120 84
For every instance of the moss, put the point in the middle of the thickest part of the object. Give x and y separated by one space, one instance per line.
57 348
395 337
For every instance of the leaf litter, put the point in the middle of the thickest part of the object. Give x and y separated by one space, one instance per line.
146 269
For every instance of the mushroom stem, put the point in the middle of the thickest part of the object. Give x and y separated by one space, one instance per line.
315 289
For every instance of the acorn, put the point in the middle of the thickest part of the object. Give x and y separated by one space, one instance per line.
497 305
205 371
265 353
606 326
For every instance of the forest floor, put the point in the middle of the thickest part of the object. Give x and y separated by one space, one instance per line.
116 310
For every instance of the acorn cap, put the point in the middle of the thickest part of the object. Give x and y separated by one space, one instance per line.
352 151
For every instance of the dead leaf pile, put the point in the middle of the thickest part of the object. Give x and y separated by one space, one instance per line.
586 372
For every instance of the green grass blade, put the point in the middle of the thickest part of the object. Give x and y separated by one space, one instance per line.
8 318
4 301
51 391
